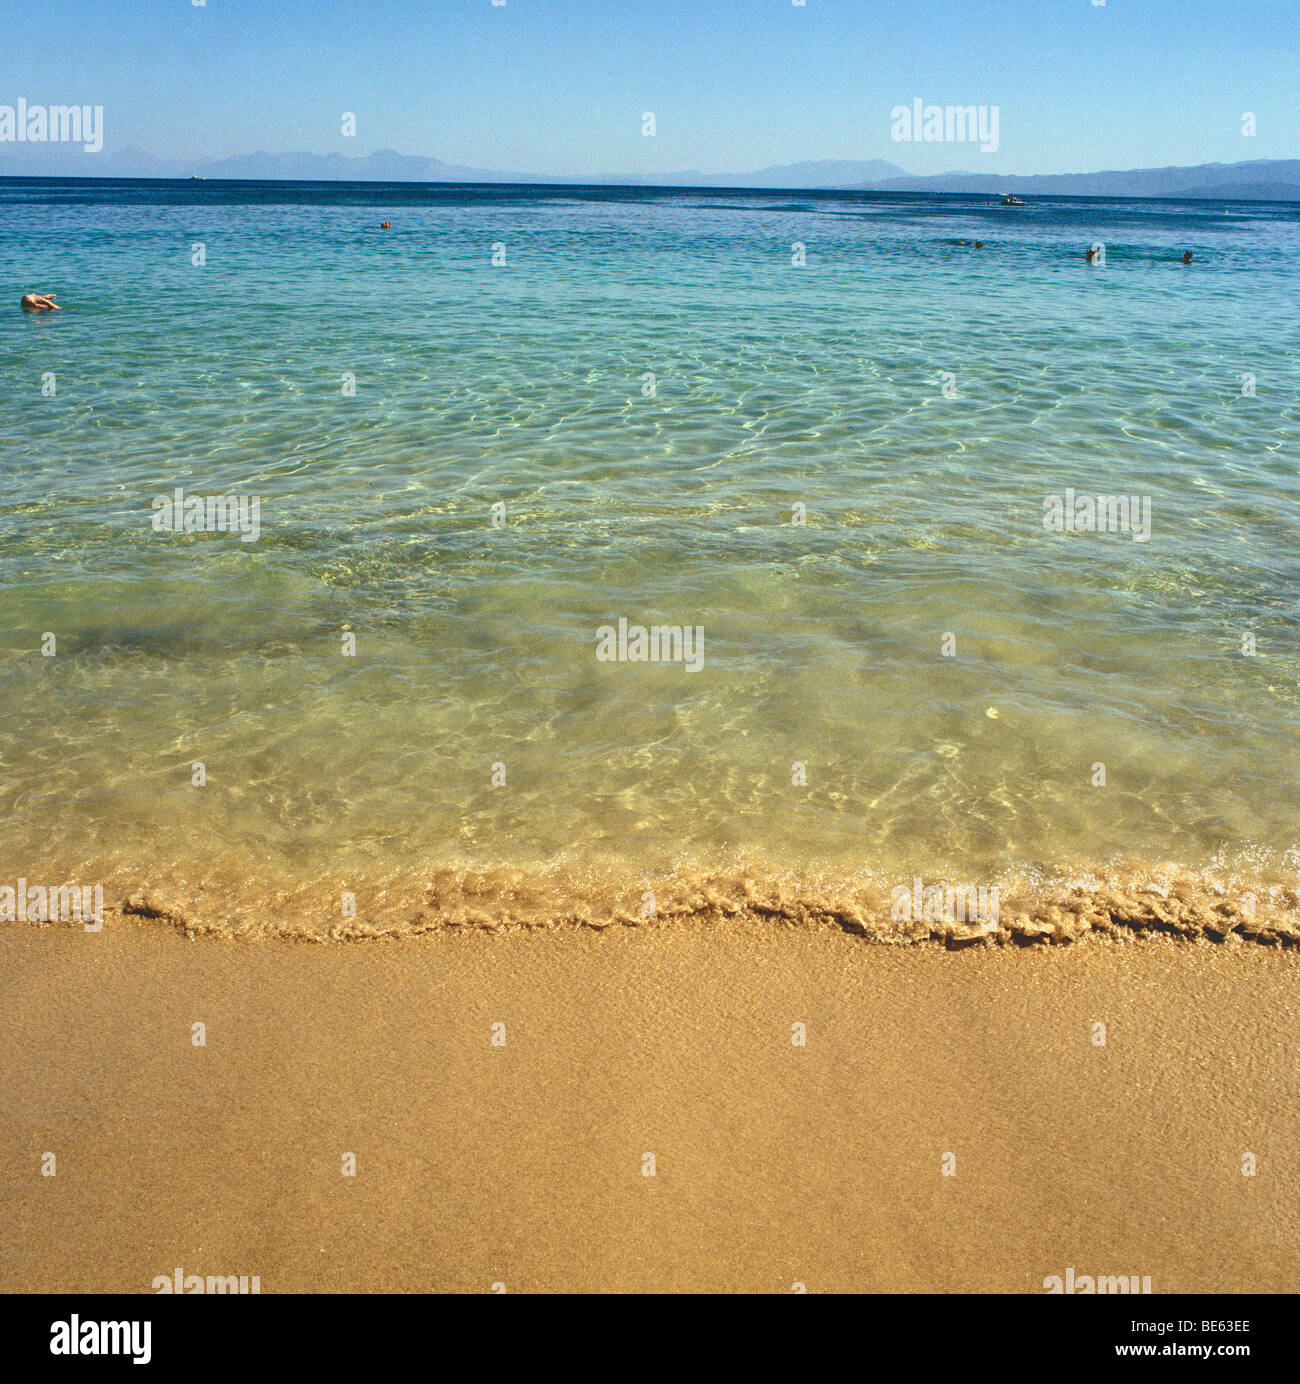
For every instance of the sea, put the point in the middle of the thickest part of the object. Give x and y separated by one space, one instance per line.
605 556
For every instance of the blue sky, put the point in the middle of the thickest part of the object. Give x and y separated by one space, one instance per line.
559 86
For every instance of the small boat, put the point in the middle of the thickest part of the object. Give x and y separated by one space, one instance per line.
1011 200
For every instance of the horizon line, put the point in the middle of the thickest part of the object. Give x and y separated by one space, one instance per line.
558 185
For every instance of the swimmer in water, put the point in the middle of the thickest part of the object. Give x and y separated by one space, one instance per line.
1091 257
39 302
1187 257
385 225
979 244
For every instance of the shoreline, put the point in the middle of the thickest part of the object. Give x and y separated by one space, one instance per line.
523 1164
1027 908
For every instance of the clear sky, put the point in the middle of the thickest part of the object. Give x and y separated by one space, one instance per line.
560 86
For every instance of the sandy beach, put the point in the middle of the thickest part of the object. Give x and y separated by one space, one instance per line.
649 659
524 1164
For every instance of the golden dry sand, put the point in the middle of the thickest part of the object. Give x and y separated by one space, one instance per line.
523 1164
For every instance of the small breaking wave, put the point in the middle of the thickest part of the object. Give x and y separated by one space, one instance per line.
1030 908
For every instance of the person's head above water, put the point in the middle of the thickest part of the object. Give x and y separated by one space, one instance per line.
1091 256
1187 257
385 225
39 302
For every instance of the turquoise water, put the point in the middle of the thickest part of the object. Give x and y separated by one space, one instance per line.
523 383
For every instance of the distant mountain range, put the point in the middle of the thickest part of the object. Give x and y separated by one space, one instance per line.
1260 179
388 166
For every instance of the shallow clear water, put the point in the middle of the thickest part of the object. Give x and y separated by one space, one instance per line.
523 383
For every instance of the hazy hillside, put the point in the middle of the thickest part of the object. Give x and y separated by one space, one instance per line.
1260 179
1270 178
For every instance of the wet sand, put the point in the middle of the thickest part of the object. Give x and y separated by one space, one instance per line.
523 1164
